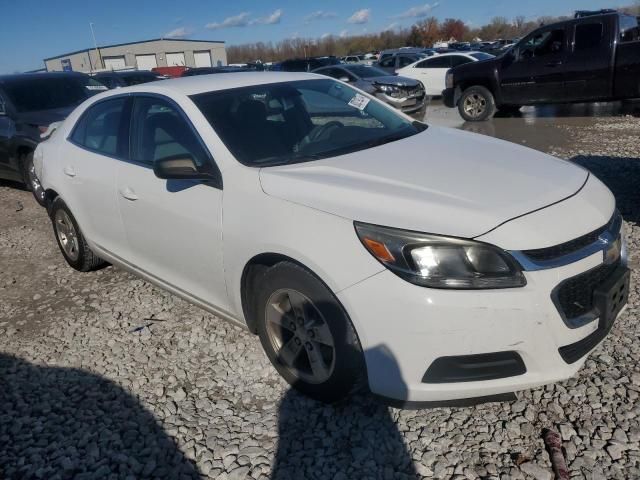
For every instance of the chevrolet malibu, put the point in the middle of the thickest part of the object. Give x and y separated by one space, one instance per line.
361 246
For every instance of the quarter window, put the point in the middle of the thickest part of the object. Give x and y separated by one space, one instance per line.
588 36
159 132
100 128
629 29
459 60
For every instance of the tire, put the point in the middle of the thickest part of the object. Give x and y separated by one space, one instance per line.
476 104
308 320
31 180
72 243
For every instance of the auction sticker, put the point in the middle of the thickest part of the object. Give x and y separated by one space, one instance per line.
359 101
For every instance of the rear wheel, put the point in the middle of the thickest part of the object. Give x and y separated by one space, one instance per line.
477 104
307 335
72 243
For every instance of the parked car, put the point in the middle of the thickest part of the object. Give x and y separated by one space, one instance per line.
392 63
432 71
29 103
211 70
591 58
419 51
172 72
127 78
317 243
352 59
307 64
403 93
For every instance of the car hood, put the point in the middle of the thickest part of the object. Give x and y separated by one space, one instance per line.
396 80
45 117
440 181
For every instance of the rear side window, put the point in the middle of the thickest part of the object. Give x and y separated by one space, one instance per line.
629 29
159 132
101 130
404 61
46 93
588 36
436 62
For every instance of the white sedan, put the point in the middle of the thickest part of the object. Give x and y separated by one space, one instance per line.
364 248
432 72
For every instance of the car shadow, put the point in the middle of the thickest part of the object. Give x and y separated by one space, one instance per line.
69 423
355 439
568 110
622 176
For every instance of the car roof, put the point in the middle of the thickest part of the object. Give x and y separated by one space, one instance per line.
30 76
210 83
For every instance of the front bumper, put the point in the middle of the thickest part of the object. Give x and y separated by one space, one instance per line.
451 96
404 329
409 104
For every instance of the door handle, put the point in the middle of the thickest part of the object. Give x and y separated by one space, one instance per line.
69 172
554 64
129 194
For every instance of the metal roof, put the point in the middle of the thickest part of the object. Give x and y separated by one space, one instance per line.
132 43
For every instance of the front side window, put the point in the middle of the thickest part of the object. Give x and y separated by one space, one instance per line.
437 62
550 42
283 123
100 128
388 62
629 29
159 132
588 36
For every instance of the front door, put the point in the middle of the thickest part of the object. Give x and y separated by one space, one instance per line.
174 228
535 71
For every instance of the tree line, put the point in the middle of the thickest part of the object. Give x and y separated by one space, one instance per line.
422 34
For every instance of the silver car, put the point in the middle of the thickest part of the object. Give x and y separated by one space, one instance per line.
403 93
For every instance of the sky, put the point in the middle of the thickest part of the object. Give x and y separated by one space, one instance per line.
36 29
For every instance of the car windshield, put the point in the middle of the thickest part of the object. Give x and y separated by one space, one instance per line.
364 71
47 93
481 56
292 122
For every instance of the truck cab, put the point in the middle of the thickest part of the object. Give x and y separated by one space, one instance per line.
593 57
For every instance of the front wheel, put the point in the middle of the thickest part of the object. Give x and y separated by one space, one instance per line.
307 335
477 104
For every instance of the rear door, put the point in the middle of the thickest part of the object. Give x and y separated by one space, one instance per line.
535 71
173 228
588 66
432 73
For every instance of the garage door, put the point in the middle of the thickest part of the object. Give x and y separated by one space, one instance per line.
175 59
202 59
146 62
114 63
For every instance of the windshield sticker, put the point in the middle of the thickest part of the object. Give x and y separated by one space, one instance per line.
96 87
359 101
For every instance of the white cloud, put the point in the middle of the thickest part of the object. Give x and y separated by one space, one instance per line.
269 19
344 33
240 20
360 16
418 11
180 32
319 15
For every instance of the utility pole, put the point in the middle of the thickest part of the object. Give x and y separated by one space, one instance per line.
95 44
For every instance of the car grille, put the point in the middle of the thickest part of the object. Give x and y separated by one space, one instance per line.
574 297
567 248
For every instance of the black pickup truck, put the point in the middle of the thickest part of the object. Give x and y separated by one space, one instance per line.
593 57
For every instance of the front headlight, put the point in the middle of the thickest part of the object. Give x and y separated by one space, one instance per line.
390 90
441 262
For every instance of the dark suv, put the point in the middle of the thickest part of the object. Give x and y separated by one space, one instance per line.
29 103
307 64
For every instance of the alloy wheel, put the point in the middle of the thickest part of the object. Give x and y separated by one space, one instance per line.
67 235
475 105
300 336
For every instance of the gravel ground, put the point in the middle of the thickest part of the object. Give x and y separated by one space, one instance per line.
104 376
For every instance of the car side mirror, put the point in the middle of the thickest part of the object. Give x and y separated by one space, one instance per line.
182 167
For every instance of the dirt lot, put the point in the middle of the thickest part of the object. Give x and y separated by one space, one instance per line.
104 376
